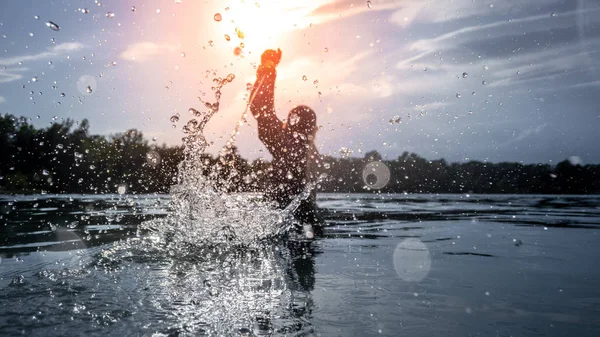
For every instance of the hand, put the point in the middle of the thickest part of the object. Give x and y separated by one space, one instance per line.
270 57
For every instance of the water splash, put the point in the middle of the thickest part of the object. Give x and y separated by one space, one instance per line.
202 210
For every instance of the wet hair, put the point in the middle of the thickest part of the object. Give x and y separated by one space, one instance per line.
302 119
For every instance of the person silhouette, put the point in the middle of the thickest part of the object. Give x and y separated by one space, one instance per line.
290 143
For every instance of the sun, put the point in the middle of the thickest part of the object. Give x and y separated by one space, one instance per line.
255 26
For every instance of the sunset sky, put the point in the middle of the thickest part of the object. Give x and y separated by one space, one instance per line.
462 80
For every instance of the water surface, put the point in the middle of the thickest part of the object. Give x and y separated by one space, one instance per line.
384 265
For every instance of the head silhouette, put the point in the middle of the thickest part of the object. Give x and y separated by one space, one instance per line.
302 119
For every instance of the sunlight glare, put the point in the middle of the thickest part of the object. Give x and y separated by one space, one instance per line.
262 25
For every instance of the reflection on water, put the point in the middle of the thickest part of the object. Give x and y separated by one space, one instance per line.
383 265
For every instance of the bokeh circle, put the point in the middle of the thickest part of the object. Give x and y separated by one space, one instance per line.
412 260
376 175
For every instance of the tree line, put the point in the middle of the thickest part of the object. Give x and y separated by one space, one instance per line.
65 158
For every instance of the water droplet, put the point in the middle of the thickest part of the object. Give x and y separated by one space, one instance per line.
326 50
395 120
486 67
133 8
458 96
304 78
62 94
30 34
174 119
470 112
121 189
92 167
237 51
553 15
37 17
153 139
45 172
369 4
182 54
53 26
218 17
84 10
517 242
465 75
315 81
211 43
88 89
239 33
110 15
483 82
230 78
226 9
227 37
34 79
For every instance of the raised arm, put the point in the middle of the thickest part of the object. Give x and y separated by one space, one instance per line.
263 104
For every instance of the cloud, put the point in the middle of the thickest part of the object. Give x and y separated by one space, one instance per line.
523 134
431 11
9 73
2 99
143 51
59 49
331 10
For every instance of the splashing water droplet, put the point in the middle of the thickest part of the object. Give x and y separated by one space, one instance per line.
326 50
52 26
458 95
369 4
465 75
133 8
470 112
174 118
395 120
211 43
484 82
34 79
239 33
218 17
110 15
182 54
345 152
37 17
86 84
237 51
304 78
227 38
121 189
45 172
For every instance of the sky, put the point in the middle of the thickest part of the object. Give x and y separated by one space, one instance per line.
462 80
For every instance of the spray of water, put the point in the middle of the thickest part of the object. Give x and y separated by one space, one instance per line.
202 210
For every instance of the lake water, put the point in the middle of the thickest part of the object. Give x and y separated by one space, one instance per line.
384 265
